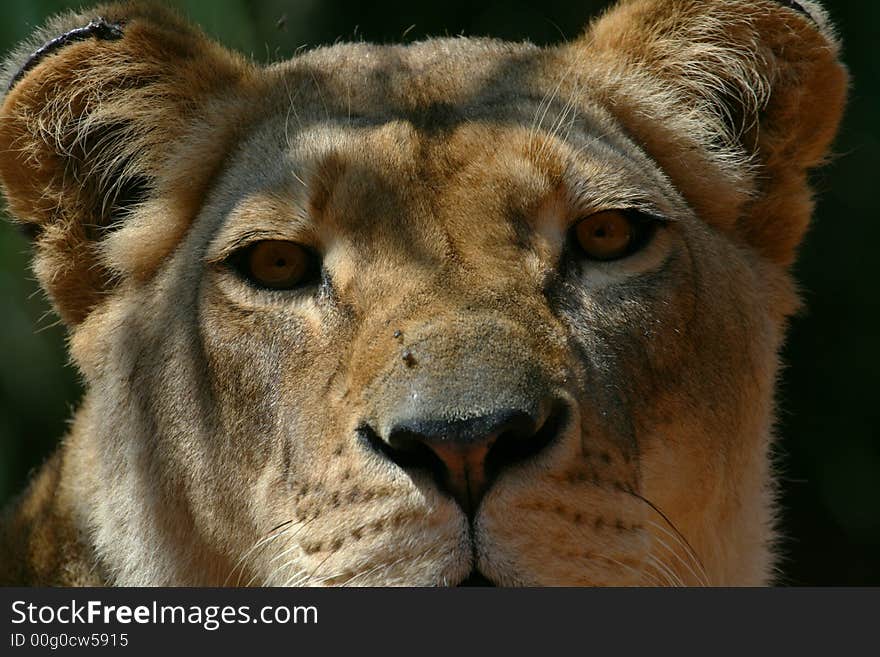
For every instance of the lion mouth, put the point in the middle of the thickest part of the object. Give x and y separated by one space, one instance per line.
476 578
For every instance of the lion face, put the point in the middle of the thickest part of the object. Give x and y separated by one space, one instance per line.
458 312
454 385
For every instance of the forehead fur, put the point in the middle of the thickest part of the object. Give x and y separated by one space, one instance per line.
422 114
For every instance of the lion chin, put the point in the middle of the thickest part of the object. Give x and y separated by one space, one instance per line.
460 312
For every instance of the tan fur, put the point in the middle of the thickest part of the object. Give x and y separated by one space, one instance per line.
220 438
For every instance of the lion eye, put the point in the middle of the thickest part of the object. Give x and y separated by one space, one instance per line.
276 264
609 235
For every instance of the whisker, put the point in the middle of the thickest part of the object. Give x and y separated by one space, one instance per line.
567 109
701 577
281 554
672 526
380 566
307 579
635 571
674 578
329 577
273 534
543 108
659 578
688 550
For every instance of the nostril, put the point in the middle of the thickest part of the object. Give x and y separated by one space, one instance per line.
405 448
521 442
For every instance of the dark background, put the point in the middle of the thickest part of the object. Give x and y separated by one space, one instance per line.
829 453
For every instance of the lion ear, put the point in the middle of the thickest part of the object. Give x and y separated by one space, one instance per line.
757 83
96 108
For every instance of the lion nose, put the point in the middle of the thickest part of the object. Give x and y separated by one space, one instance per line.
464 396
466 454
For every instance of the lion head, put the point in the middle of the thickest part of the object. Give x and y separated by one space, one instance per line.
462 311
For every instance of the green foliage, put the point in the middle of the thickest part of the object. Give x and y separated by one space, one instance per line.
829 447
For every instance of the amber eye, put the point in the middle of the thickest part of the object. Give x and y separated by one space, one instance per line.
608 235
276 264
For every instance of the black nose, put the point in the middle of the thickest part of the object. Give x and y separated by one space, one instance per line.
467 454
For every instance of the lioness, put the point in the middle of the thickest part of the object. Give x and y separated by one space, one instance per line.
457 312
